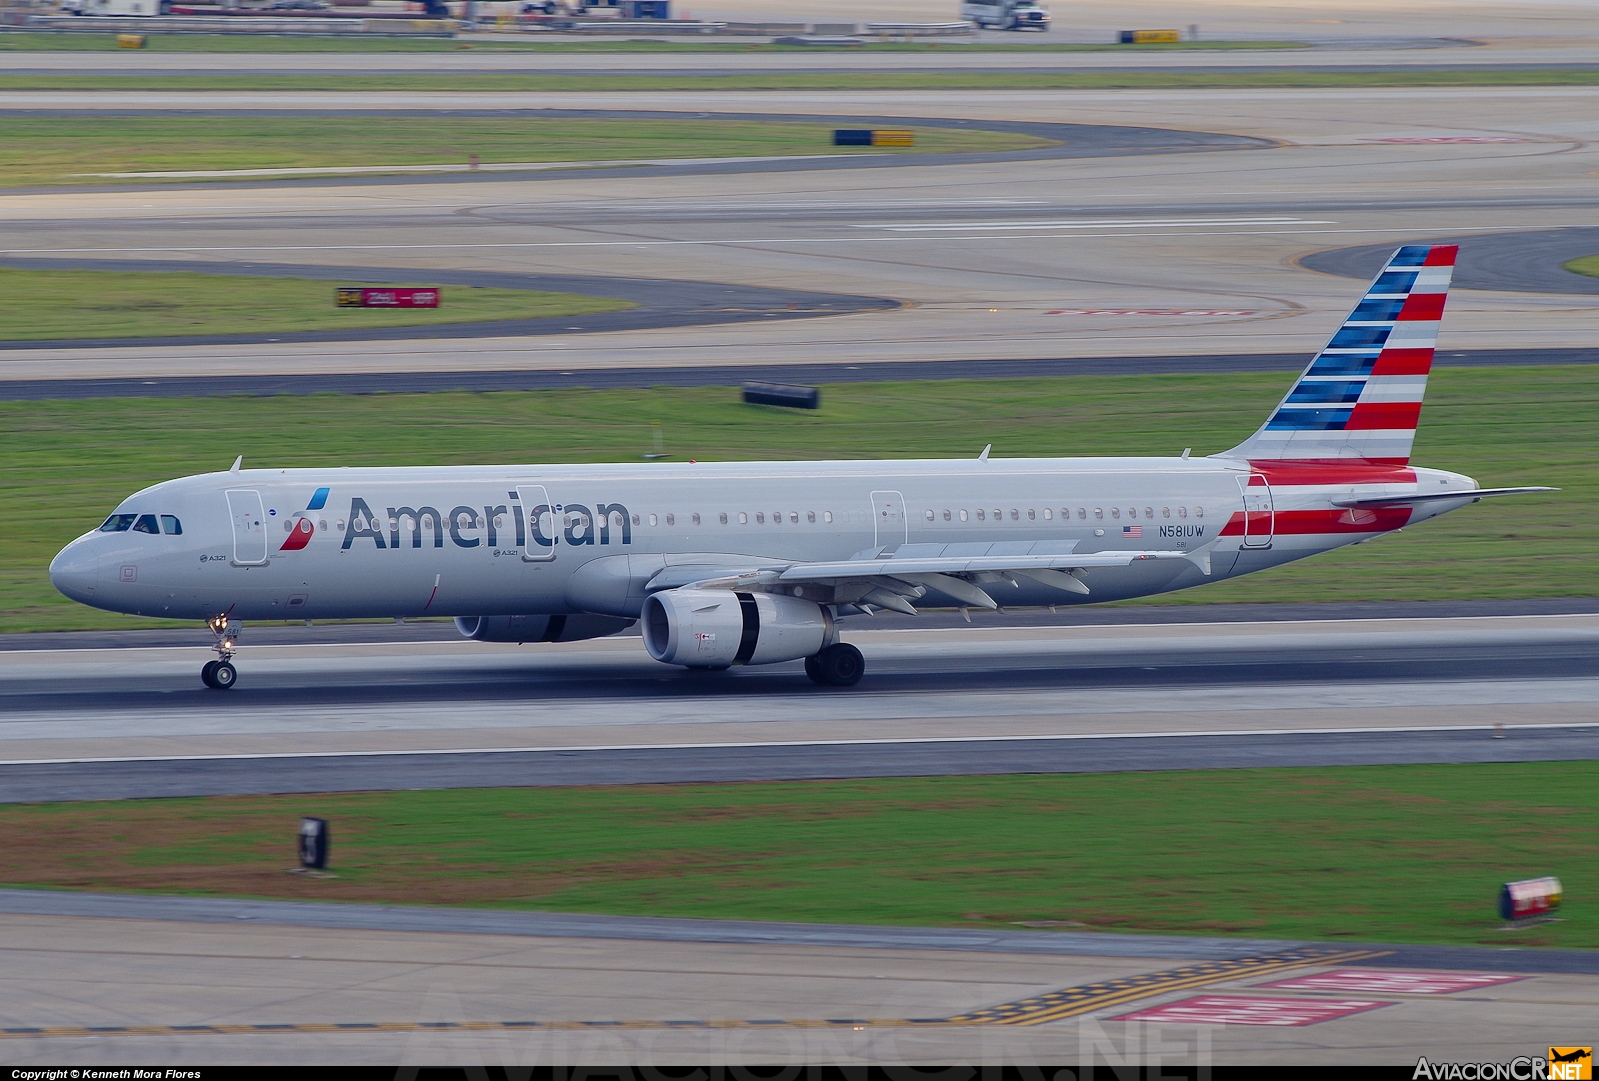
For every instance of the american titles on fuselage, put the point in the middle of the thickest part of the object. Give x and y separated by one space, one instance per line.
579 524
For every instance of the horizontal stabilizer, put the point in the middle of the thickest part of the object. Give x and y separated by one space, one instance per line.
1436 497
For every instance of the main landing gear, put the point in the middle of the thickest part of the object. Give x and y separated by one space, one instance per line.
220 675
839 665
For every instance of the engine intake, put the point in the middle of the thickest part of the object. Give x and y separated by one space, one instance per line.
715 628
521 629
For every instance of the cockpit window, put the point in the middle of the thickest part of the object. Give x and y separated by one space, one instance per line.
171 526
118 523
146 524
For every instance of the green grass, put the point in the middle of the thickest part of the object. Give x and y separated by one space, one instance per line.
1279 78
45 304
69 150
78 41
1385 853
65 464
1588 264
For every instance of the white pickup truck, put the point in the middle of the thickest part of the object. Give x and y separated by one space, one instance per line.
1005 14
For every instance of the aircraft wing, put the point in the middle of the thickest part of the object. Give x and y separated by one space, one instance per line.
1434 497
894 579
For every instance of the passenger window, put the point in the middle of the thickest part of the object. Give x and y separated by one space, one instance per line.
146 524
635 519
997 514
930 516
946 515
1132 512
1082 512
723 517
827 516
1165 512
173 528
1199 512
1115 512
1182 512
671 519
760 517
963 514
118 523
653 520
982 515
810 516
793 517
1149 512
1048 514
1032 514
339 525
1015 515
696 518
743 518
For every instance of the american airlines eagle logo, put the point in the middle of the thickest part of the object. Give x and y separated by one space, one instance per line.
303 529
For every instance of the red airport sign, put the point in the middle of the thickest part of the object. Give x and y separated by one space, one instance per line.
410 297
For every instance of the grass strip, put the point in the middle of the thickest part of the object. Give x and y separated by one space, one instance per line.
79 41
1274 79
1588 265
1373 853
69 149
65 464
46 304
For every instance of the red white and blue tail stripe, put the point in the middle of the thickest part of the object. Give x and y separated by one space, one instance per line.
1361 397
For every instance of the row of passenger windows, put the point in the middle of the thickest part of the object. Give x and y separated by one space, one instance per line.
143 523
742 517
1048 514
981 514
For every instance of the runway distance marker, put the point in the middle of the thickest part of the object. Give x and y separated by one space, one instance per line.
1036 1010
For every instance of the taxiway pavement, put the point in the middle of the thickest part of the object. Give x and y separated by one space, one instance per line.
1140 256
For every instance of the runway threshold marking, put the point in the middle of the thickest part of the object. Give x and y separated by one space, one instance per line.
1037 1010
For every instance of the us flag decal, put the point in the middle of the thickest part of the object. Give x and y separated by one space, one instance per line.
1135 531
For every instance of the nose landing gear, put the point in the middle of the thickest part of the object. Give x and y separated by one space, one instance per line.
220 675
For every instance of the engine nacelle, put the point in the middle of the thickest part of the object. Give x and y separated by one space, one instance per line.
716 628
521 629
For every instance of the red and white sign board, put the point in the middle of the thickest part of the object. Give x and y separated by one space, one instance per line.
1240 1010
1365 981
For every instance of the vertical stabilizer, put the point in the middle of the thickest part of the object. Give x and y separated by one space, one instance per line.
1360 398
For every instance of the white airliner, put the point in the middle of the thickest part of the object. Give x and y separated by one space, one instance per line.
756 562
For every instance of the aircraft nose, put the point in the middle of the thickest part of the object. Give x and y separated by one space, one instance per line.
77 570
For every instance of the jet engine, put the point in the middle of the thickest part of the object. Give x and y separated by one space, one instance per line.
521 629
716 628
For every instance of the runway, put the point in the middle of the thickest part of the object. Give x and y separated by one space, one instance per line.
935 701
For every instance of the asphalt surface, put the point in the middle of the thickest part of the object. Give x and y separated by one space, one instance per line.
412 382
1522 262
1073 141
749 932
661 303
425 713
52 782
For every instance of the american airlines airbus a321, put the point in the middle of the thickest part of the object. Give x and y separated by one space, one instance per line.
756 562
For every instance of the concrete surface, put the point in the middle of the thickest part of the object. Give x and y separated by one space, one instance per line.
966 700
1185 255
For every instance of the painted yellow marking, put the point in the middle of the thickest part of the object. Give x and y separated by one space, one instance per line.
1038 1010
